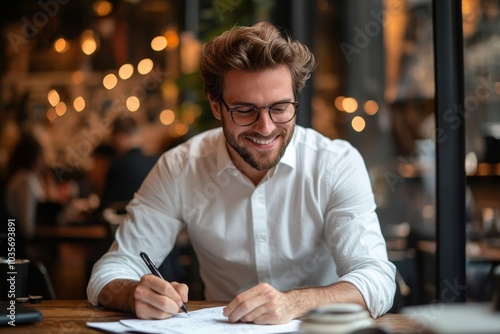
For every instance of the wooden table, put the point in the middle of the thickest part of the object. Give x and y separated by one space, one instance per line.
71 316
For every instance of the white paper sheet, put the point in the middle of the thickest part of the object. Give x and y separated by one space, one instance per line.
109 327
206 321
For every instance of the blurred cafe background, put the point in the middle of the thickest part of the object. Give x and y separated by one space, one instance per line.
69 68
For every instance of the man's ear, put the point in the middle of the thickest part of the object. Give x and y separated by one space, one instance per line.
215 106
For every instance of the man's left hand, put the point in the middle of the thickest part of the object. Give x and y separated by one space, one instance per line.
261 304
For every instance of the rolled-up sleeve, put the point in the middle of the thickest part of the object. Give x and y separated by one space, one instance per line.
354 235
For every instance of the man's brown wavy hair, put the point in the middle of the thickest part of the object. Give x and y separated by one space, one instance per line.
252 49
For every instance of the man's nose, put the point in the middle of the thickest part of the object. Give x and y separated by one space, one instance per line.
264 124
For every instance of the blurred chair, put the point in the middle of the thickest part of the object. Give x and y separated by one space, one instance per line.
396 236
39 282
403 257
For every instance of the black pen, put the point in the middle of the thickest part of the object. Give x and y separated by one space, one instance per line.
154 270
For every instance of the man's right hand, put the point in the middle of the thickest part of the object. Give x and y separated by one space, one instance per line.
155 298
150 298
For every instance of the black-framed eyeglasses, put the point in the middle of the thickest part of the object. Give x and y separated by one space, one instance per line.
248 114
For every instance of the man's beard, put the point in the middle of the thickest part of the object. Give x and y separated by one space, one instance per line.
262 160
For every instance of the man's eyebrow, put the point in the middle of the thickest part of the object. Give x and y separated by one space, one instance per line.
245 103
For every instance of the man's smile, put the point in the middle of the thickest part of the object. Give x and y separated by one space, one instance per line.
261 141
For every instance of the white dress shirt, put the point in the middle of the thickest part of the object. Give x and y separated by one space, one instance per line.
310 221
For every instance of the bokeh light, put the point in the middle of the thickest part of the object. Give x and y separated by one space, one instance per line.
79 104
167 117
133 104
126 71
371 107
61 108
172 39
338 103
350 105
102 8
51 114
145 66
358 123
89 44
53 97
61 45
78 77
159 43
178 129
110 81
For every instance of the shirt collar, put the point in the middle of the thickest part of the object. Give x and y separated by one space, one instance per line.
290 156
223 159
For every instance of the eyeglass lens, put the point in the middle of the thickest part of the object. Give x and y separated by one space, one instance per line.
282 112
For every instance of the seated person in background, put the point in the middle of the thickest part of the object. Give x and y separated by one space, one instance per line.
101 159
282 219
85 208
130 166
30 183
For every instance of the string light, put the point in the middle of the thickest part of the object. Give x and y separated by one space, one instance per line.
51 114
61 108
145 66
178 129
78 77
89 44
126 71
133 104
159 43
358 123
371 107
102 8
79 104
349 104
53 97
167 117
172 39
61 45
110 81
338 103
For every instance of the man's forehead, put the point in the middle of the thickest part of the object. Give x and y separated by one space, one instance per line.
266 82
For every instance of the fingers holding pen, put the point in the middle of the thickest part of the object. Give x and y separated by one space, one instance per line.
182 289
156 298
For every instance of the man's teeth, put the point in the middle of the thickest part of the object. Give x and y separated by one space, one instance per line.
262 142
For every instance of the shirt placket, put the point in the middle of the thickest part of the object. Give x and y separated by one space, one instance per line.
260 235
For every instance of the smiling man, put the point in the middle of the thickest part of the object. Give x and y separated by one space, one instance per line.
282 219
257 140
